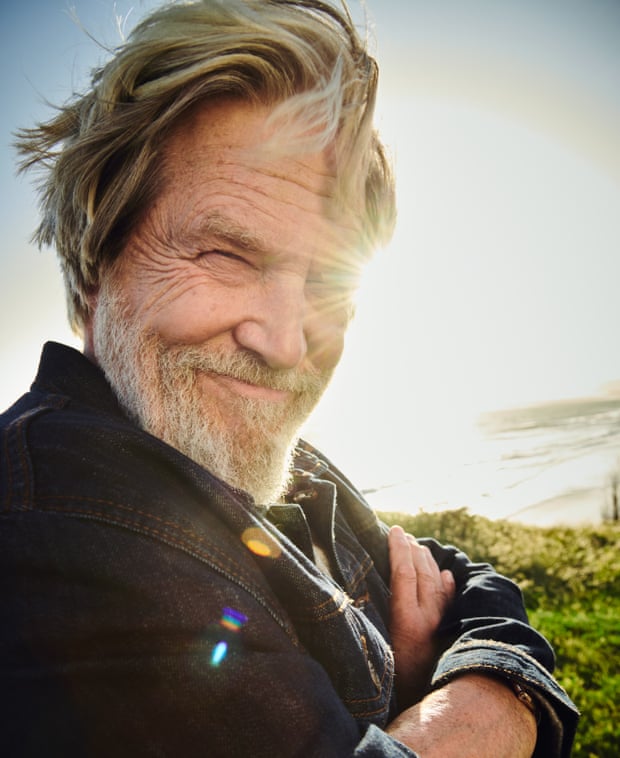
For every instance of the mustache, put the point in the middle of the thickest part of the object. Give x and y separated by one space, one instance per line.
246 367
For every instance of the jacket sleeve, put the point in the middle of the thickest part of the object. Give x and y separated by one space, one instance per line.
487 632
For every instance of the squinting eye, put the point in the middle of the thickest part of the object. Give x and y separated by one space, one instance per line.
223 254
222 257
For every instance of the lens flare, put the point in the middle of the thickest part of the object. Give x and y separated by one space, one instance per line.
219 653
261 543
232 621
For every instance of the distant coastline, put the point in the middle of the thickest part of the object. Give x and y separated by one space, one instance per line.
544 465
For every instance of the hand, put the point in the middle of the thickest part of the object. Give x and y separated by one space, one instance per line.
473 716
420 595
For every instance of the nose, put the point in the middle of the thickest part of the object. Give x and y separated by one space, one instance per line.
274 328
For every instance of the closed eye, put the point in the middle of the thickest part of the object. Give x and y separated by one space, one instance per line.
225 266
220 258
223 254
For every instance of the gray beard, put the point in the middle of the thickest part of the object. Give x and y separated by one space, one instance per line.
248 443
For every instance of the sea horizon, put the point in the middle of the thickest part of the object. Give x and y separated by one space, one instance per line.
545 464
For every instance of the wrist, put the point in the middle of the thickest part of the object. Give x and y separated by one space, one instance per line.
473 714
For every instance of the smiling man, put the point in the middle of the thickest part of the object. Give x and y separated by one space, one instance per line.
181 575
232 296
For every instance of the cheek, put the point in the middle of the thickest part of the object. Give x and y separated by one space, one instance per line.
189 315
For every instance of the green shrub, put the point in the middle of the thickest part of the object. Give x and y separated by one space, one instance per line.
570 580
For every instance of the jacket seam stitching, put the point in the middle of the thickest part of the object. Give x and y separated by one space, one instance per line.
237 578
113 519
130 510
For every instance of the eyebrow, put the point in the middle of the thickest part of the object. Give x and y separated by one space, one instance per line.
232 233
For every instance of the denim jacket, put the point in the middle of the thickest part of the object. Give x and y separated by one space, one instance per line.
151 609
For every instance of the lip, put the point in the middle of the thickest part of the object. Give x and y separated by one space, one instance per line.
254 391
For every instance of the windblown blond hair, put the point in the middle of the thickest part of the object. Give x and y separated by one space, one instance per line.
101 155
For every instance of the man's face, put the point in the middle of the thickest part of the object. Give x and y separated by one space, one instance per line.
223 319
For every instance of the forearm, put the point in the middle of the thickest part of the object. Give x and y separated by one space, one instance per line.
472 716
486 633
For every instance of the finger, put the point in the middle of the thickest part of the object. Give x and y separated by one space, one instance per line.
400 552
403 582
435 588
417 583
423 559
444 579
449 584
428 580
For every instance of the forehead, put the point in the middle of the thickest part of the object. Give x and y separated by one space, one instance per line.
225 156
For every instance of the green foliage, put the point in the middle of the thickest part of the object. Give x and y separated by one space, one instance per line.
570 579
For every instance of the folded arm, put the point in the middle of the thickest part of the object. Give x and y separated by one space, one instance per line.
441 602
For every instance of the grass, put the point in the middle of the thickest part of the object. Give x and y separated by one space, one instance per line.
571 583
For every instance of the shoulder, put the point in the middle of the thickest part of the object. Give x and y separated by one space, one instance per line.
82 486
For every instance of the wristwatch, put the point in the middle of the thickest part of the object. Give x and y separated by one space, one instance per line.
526 698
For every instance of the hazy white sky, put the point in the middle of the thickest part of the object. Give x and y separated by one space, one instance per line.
501 285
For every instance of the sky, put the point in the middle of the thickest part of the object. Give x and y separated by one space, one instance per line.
501 285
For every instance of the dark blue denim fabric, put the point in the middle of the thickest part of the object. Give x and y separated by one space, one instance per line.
150 609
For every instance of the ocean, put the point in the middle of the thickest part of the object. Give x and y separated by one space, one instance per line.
547 464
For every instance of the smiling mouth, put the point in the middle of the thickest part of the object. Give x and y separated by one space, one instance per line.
247 389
